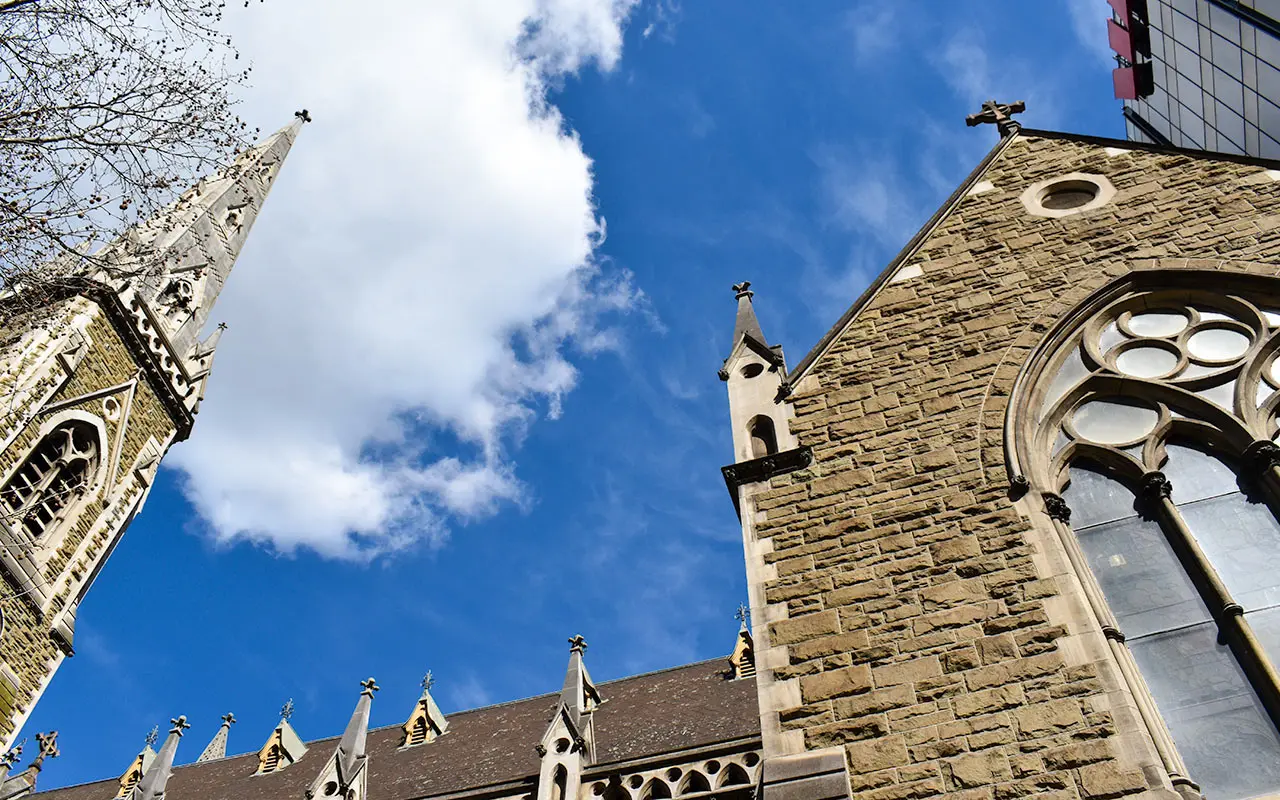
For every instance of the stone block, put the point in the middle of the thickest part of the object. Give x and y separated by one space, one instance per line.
907 671
836 683
877 754
799 629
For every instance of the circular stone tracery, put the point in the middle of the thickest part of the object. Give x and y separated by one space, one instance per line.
1160 363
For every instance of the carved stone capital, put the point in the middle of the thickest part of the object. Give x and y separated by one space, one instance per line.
1261 456
1155 487
1057 508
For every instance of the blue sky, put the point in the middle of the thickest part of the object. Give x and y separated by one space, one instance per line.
554 470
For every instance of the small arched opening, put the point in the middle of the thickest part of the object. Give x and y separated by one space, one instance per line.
764 441
560 784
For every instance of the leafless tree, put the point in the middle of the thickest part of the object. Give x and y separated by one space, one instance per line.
106 108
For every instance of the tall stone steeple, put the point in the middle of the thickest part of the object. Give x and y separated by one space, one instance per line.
102 371
569 742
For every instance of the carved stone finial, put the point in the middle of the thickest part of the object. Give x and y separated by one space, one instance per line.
743 614
153 737
229 719
1155 487
15 753
179 725
428 681
739 289
541 750
286 710
1057 508
303 115
369 687
577 644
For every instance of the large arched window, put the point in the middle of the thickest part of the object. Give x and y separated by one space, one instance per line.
1148 426
56 475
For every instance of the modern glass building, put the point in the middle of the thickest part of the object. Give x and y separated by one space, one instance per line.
1202 74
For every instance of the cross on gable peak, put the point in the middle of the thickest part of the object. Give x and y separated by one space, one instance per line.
428 681
179 725
153 737
1001 114
286 710
577 644
369 687
229 719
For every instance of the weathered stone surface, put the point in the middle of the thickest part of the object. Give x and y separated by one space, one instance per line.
836 683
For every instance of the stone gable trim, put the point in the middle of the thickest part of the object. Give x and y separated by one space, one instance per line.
886 276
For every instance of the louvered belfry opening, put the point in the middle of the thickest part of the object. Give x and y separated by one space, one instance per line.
418 734
54 476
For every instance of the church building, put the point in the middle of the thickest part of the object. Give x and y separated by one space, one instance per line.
1010 526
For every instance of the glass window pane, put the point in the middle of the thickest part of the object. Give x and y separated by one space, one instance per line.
1266 626
1196 475
1218 344
1141 578
1094 498
1229 745
1158 323
1108 422
1146 362
1242 541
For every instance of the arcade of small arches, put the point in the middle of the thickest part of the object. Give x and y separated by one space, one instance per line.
1147 423
718 777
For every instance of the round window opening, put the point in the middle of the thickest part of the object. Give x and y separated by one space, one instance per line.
752 370
1067 195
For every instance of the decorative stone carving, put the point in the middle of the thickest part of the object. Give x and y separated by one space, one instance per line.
1057 508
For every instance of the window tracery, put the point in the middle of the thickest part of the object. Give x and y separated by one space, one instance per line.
1152 433
57 474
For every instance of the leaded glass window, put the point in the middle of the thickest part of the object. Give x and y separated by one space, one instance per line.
56 474
1153 439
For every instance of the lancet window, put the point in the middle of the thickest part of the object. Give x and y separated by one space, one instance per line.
1149 431
53 478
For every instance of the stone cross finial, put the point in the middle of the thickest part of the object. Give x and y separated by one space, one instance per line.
286 710
740 289
303 115
10 758
577 644
228 719
153 737
743 614
222 326
48 748
428 681
179 725
369 687
999 113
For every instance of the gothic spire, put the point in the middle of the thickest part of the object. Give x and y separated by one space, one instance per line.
185 253
218 745
746 323
346 767
578 696
152 786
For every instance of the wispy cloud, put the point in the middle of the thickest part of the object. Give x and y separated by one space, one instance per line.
664 16
468 693
875 29
1089 21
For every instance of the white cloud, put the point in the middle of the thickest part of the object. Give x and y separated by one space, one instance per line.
402 311
876 30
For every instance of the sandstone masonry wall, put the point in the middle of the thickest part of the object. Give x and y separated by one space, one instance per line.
913 604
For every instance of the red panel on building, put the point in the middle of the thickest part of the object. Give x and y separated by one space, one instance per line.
1120 41
1133 82
1128 9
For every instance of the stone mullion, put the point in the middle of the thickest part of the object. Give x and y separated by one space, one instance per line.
1159 732
1233 629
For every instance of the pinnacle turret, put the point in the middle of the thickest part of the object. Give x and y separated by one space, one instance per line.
217 747
746 323
152 786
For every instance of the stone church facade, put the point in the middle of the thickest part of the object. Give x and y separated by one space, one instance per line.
1010 529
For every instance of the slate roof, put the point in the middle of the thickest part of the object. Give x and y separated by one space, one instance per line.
642 716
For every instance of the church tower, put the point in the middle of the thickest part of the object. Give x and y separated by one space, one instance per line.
99 376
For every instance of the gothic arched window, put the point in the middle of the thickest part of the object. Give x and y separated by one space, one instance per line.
1149 428
56 474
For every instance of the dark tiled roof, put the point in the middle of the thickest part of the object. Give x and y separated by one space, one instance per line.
642 716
